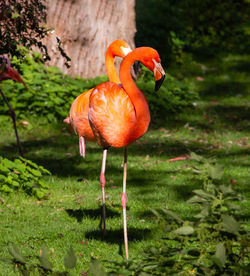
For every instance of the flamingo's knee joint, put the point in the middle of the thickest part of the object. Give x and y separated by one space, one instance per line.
124 200
102 180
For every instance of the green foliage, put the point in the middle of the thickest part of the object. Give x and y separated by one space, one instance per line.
215 242
22 174
96 269
174 96
208 27
70 259
216 25
50 93
44 267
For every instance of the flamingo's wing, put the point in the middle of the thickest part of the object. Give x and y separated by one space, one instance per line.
79 116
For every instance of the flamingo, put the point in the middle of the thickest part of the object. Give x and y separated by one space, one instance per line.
79 109
78 117
7 72
120 115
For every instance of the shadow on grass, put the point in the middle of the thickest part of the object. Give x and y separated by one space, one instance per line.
116 236
243 66
63 165
224 89
207 118
79 214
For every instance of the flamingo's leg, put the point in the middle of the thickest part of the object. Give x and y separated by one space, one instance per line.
13 116
124 202
82 146
102 181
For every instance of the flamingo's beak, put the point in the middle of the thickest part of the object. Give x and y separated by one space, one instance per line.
13 74
159 82
159 75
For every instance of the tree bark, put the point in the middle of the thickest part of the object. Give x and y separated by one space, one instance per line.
86 28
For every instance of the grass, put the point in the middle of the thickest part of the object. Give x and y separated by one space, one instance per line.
218 125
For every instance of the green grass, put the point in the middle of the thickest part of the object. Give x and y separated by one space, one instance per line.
71 216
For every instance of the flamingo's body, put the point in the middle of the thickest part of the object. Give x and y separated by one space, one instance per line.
119 115
113 116
80 107
7 72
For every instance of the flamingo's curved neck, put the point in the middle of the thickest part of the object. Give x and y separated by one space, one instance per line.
137 98
110 67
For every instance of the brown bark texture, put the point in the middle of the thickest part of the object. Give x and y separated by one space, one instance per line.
86 28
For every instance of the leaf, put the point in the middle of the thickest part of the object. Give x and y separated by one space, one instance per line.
6 189
196 157
184 230
3 169
230 224
233 206
14 252
204 213
226 189
196 199
156 213
96 269
203 194
70 259
216 261
39 194
172 214
220 255
44 258
215 172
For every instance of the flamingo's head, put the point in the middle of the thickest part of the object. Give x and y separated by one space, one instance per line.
7 72
152 61
119 48
4 66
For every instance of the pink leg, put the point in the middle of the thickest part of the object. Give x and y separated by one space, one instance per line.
124 202
82 146
102 181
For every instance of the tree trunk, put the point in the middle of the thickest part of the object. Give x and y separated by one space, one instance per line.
86 28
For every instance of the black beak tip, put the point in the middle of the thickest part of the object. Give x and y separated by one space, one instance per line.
159 82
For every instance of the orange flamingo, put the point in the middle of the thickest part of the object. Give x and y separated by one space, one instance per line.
7 72
120 115
79 109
